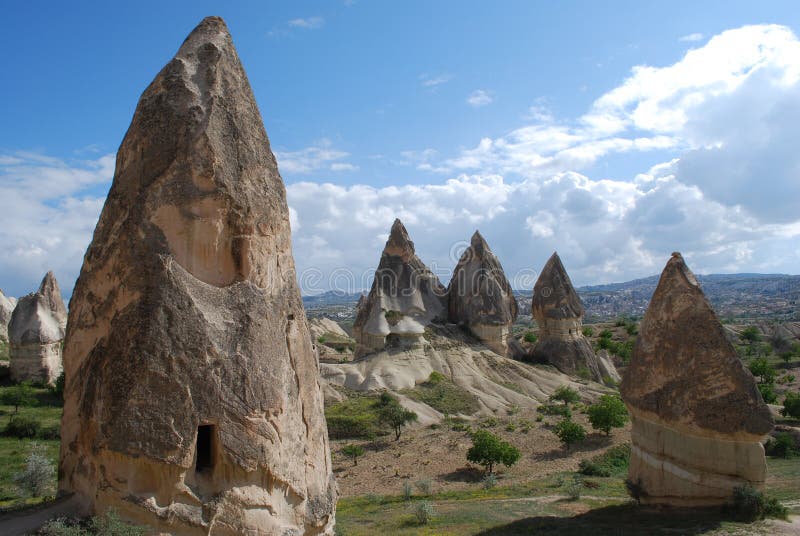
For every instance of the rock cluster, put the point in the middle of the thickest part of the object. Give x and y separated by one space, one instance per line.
7 305
35 332
330 340
480 297
192 400
405 297
559 315
697 415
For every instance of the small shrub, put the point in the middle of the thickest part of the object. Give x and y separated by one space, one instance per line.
353 451
574 488
606 334
749 504
565 394
436 378
750 334
767 391
526 425
20 395
591 468
781 446
513 410
539 418
588 331
510 427
791 405
423 512
555 409
762 369
610 412
489 481
569 432
489 422
35 480
22 427
631 328
58 387
424 486
530 337
407 490
583 373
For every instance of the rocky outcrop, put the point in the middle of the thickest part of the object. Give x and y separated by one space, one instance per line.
696 412
559 315
480 297
405 297
192 400
331 342
35 333
7 305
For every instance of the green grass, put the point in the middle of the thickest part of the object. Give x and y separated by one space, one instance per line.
13 452
356 417
3 351
444 396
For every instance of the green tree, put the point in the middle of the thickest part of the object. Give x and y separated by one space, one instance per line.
353 451
609 412
569 432
395 415
761 368
750 335
18 395
566 395
791 405
488 450
530 337
588 331
767 391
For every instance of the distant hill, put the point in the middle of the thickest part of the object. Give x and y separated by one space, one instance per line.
733 296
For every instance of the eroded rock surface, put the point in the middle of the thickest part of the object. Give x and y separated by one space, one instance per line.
330 340
7 305
697 415
480 297
192 401
405 297
35 332
559 315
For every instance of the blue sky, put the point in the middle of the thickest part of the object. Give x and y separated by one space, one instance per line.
586 127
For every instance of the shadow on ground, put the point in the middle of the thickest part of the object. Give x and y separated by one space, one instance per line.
617 520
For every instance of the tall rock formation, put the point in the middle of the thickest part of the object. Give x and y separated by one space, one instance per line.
697 414
405 297
7 305
193 401
480 297
559 314
35 332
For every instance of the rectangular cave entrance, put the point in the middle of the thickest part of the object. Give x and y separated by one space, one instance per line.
205 448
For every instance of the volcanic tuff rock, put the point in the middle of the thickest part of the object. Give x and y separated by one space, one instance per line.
35 332
480 297
330 340
559 314
696 412
192 401
405 297
7 305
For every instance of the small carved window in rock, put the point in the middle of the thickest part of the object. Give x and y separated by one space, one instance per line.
205 447
290 317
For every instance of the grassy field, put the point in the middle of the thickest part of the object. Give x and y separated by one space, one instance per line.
13 451
543 507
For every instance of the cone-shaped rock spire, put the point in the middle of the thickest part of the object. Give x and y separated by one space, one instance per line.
697 414
480 296
35 331
559 315
405 297
192 399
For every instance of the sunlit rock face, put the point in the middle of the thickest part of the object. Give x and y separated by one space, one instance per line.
35 333
7 304
697 414
192 401
559 315
405 297
480 297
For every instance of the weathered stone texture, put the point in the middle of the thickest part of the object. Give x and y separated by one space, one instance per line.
697 414
405 297
35 332
480 297
7 305
192 401
559 315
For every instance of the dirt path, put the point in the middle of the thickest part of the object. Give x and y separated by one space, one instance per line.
30 520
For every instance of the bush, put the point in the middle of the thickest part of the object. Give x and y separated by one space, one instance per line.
613 462
555 409
781 446
487 450
569 432
424 486
592 468
767 391
791 405
608 413
444 396
631 328
566 395
424 512
436 377
574 488
606 334
18 395
489 481
750 334
353 451
36 479
588 331
530 337
407 490
761 368
749 504
635 489
58 387
22 427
